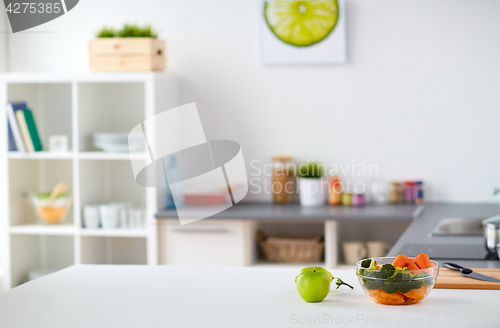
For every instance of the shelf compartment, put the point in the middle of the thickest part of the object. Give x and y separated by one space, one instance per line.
31 177
109 181
51 106
108 107
29 252
109 250
39 229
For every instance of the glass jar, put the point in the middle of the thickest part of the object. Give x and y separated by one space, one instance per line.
335 191
419 192
358 199
396 193
409 191
283 183
347 199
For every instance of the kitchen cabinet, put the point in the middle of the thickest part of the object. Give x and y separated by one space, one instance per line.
207 242
223 242
228 238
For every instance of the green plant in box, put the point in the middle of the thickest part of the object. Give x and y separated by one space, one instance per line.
311 170
136 31
127 31
106 32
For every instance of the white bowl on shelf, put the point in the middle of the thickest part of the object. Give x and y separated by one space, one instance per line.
118 142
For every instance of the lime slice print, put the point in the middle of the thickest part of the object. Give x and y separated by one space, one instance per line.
301 23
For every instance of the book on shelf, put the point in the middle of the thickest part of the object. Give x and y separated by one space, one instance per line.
28 129
16 142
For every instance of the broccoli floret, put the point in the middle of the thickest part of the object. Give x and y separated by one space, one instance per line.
416 284
390 287
366 263
399 274
372 283
386 271
371 271
404 286
388 267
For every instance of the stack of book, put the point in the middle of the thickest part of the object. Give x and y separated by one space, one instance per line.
23 134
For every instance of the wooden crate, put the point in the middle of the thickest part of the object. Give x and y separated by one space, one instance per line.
127 54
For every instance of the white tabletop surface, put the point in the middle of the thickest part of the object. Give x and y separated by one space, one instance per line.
189 296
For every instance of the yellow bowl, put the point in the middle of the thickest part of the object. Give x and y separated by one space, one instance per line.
51 215
410 287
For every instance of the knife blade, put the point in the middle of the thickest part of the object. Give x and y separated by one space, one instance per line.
469 273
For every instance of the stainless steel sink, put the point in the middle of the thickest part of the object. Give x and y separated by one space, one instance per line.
458 227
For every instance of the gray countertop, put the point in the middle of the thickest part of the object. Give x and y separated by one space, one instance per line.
417 235
274 212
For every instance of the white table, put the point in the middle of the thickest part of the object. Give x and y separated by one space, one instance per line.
184 296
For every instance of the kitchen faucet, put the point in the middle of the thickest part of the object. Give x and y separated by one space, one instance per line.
496 191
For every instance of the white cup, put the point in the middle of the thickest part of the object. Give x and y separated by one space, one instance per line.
354 251
123 215
136 218
91 216
109 215
377 248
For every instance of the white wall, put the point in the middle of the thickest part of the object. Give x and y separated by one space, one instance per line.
419 95
3 38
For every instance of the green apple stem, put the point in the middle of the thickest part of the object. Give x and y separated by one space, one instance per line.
339 283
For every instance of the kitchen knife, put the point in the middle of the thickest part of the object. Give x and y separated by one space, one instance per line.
469 273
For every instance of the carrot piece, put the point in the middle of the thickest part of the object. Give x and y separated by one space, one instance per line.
411 265
400 261
374 292
390 299
417 294
423 261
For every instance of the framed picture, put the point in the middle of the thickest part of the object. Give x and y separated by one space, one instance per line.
303 32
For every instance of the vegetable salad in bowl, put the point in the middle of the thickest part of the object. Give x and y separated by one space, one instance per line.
397 280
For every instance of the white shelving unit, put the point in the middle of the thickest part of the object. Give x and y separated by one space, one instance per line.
77 105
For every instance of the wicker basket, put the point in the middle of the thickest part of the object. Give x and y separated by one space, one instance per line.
291 249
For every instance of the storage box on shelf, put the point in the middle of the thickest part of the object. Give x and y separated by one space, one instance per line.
77 105
127 54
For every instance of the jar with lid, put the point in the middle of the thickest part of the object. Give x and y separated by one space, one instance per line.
283 182
409 191
358 199
347 199
396 192
419 192
335 191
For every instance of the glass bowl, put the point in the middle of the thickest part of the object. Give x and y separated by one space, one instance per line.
403 287
53 213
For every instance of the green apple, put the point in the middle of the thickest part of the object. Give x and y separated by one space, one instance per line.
313 284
